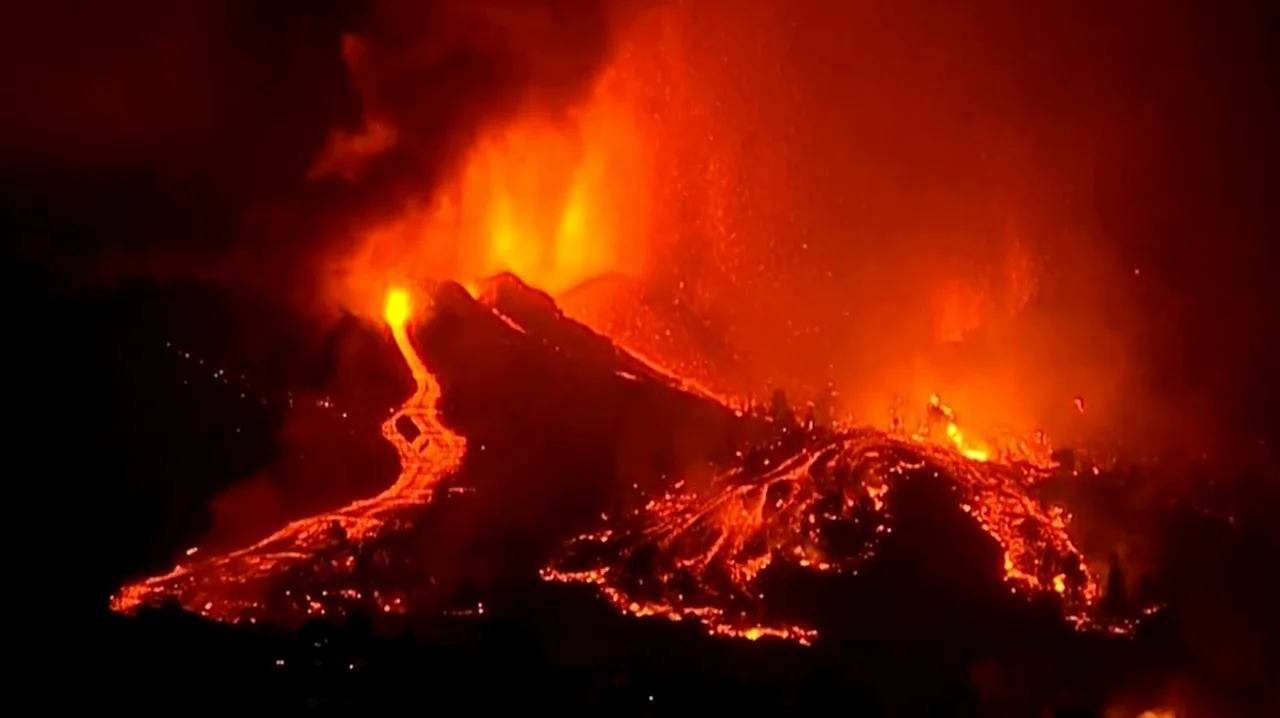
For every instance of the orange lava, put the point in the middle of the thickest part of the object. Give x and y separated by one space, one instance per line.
555 199
230 586
559 199
712 544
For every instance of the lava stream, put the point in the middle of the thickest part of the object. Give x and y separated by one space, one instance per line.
226 586
821 506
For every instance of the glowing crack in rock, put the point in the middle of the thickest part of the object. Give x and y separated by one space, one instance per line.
229 586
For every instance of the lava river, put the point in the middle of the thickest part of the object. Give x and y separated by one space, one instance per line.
793 498
817 502
226 587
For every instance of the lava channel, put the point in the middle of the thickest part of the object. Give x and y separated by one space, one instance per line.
231 586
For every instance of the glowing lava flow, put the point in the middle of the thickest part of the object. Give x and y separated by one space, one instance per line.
234 585
818 503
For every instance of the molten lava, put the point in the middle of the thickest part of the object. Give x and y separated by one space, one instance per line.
819 502
800 496
941 413
235 585
556 200
561 198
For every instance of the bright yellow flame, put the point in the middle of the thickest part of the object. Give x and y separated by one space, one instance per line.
397 308
396 311
963 446
556 200
966 447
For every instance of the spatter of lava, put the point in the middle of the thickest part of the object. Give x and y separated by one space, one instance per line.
821 504
230 586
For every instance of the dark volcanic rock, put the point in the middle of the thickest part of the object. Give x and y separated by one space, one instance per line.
558 419
558 423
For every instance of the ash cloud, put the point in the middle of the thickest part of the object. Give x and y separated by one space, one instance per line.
921 139
432 73
175 139
894 144
171 142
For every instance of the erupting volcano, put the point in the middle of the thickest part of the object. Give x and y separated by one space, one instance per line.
915 358
699 536
667 496
818 501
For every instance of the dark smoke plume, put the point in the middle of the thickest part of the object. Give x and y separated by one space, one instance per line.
172 139
175 143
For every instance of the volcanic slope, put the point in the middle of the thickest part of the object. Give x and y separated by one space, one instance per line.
532 445
521 427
